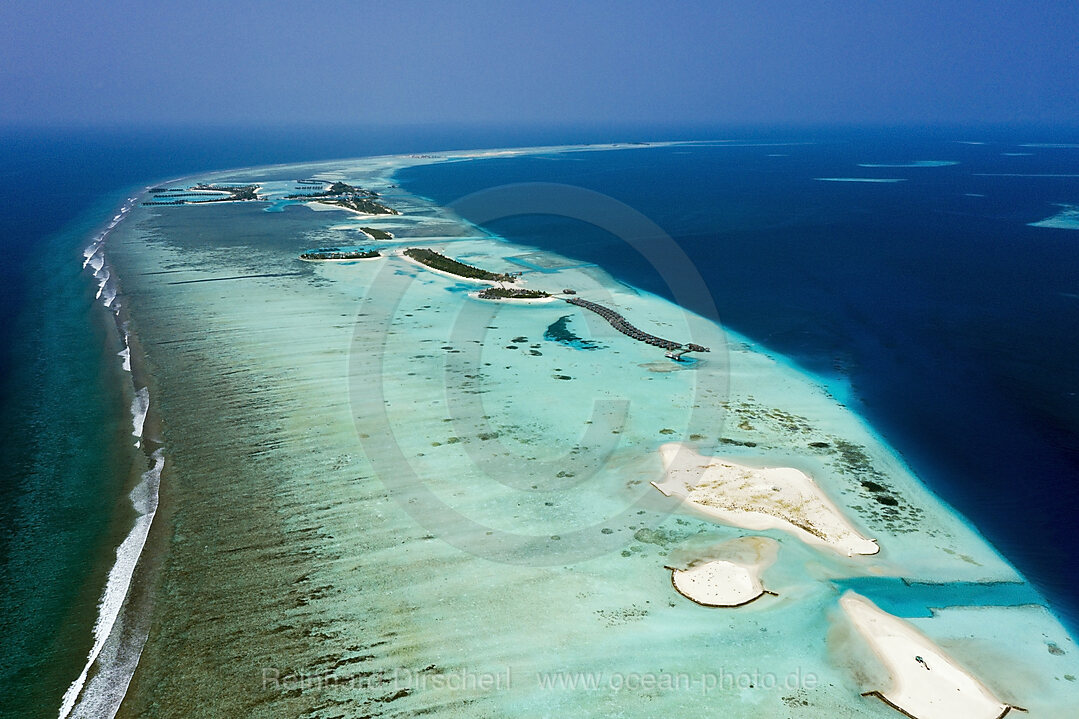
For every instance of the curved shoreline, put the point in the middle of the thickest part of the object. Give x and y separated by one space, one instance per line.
719 602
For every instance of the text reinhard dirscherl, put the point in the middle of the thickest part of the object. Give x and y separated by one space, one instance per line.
404 681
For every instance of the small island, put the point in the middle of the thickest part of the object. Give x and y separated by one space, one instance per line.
926 683
376 234
225 193
336 253
512 293
719 583
441 263
759 498
341 194
234 192
727 575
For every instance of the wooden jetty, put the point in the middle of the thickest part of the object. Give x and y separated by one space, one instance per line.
675 350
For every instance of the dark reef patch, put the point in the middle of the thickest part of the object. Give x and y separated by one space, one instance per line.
558 331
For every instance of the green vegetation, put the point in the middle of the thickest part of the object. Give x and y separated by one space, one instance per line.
377 234
440 262
235 192
499 293
230 193
337 188
345 195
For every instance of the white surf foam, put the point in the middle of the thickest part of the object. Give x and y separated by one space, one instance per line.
106 690
114 659
107 292
96 246
140 405
102 276
92 250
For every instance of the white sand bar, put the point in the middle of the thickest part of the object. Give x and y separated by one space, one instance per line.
718 584
759 498
926 682
731 579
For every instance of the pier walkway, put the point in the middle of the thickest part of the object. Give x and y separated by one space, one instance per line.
675 350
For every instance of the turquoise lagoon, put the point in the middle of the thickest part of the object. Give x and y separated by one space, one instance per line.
382 496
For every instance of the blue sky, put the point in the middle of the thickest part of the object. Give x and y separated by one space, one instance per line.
227 62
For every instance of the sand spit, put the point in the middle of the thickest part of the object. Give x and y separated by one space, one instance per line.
926 682
759 498
328 207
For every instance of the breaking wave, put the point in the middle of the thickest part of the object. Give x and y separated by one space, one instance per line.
100 687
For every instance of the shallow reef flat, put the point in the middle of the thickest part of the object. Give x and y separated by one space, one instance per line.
385 497
1066 219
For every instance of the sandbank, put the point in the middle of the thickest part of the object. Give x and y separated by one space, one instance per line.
327 207
759 498
729 578
926 682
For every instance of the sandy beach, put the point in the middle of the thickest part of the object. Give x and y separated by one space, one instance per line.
759 498
729 575
493 283
926 682
718 584
326 207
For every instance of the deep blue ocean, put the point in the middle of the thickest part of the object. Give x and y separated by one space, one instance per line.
955 323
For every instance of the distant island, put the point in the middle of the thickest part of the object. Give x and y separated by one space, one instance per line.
436 261
336 253
181 196
344 195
